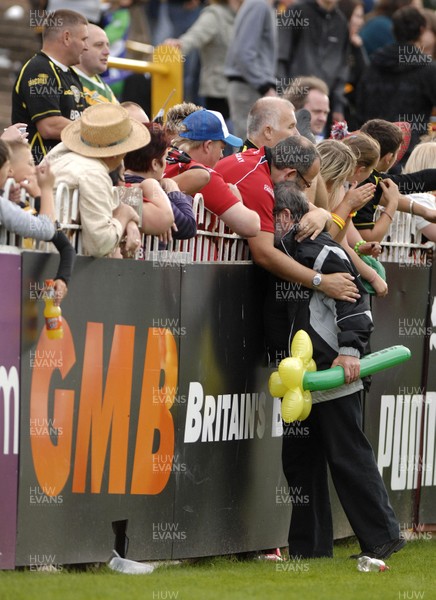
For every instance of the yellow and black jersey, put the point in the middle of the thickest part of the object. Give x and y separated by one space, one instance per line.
45 89
408 183
364 218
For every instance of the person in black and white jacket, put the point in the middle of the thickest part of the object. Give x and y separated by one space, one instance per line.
333 433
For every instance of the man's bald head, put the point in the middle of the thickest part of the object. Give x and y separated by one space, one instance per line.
270 120
94 59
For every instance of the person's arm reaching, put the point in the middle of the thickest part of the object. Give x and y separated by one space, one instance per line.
46 179
192 181
420 181
368 248
66 264
205 27
368 273
21 222
336 285
409 205
242 220
225 200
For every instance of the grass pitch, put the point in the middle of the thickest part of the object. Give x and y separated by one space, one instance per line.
412 575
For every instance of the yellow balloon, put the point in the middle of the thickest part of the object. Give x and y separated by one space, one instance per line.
291 372
292 405
307 405
302 346
276 386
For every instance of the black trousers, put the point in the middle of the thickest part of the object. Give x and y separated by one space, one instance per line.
332 435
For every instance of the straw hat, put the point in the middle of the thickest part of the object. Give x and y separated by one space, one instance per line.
105 130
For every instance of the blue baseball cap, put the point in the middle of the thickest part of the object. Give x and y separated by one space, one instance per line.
203 125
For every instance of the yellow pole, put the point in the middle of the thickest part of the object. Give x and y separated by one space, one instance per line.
138 66
166 74
162 85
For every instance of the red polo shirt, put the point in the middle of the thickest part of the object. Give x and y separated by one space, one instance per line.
250 172
216 194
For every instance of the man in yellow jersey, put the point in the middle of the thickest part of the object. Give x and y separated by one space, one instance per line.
93 62
48 94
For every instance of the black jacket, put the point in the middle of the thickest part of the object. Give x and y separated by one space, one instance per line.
399 85
334 326
313 41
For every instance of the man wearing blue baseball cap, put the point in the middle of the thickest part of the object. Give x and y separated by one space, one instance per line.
209 124
203 138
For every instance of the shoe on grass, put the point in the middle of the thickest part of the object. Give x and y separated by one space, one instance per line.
384 550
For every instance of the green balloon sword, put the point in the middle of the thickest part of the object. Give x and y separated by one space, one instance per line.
297 375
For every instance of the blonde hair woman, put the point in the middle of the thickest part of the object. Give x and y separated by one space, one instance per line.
339 166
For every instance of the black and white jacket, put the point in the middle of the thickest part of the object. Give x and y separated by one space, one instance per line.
334 326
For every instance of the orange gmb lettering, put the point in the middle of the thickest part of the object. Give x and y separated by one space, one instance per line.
102 407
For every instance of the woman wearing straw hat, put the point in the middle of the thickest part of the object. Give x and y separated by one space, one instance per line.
92 147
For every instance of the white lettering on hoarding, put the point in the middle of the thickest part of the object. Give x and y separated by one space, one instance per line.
9 383
399 439
224 418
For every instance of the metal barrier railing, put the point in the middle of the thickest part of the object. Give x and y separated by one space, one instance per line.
404 242
214 242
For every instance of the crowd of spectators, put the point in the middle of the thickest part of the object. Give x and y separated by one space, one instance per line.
273 81
270 72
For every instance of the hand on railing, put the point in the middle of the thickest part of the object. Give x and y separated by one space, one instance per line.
131 241
166 238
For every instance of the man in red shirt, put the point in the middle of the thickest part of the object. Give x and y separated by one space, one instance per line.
271 120
255 172
202 142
